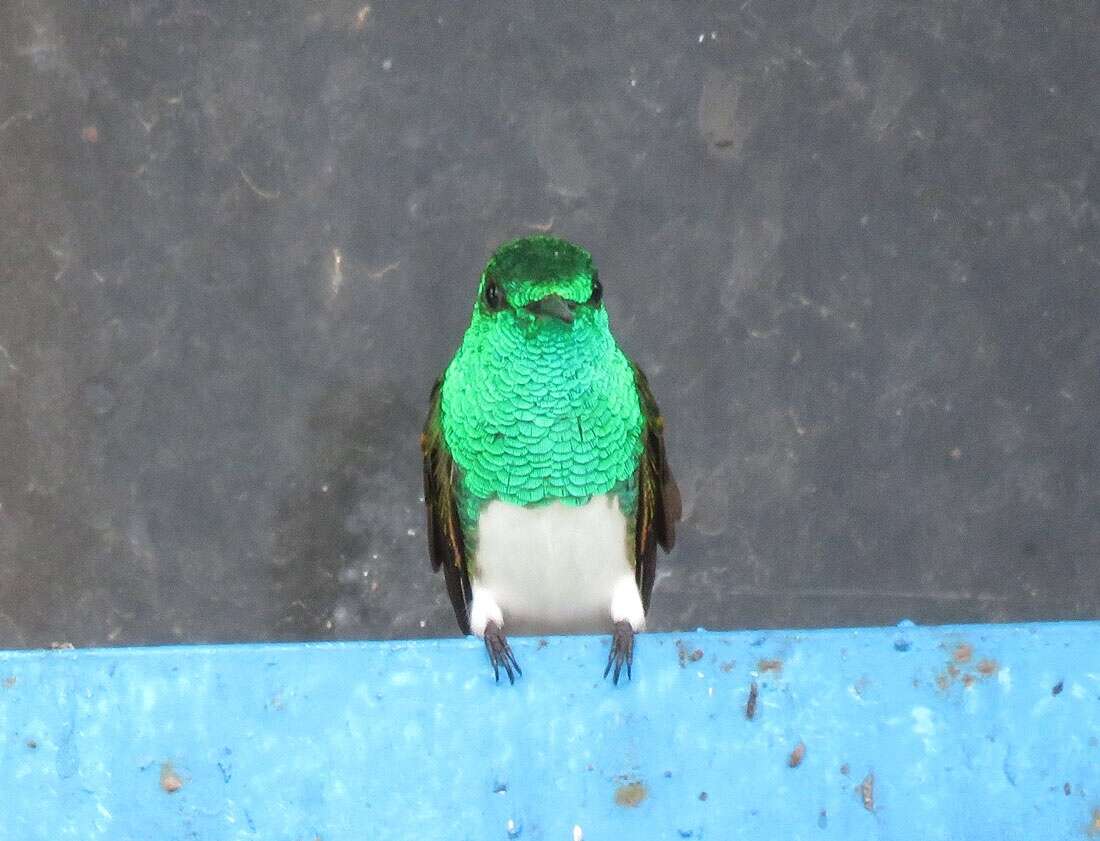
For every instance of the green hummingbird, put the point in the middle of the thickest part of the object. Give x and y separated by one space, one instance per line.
545 477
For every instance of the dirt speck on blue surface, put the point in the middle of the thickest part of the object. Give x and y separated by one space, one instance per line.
1093 828
170 781
988 667
630 795
32 744
797 755
750 705
1057 688
770 666
963 652
703 796
866 791
10 681
945 678
687 655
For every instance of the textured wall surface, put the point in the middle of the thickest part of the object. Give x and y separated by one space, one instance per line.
856 246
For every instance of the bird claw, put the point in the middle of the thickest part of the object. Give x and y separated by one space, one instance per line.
622 651
500 653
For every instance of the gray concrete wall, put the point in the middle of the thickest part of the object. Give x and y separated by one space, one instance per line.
856 246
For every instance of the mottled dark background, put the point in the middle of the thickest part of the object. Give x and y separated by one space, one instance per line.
855 244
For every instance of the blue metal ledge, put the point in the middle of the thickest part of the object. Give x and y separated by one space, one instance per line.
963 732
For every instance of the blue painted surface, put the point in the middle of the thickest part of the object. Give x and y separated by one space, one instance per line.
970 732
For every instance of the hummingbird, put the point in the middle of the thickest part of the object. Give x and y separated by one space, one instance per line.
545 478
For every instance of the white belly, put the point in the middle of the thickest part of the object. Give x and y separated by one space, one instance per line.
554 568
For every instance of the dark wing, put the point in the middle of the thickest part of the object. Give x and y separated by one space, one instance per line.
445 544
658 496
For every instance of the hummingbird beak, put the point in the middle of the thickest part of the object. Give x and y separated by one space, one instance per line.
554 306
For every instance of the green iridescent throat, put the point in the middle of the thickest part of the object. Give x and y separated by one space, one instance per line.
534 408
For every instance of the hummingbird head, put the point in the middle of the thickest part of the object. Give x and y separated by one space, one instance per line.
543 288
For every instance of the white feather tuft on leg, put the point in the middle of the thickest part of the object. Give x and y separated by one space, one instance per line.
484 609
626 603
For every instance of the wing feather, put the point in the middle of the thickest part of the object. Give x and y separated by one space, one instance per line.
446 546
659 507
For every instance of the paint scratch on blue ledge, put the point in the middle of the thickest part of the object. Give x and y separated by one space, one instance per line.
963 732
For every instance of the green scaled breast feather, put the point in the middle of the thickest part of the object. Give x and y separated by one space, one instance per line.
537 408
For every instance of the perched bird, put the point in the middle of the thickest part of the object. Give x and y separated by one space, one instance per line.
545 476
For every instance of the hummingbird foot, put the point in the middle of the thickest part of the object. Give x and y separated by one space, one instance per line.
500 653
622 651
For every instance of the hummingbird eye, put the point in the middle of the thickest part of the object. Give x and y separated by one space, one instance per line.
494 295
597 289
